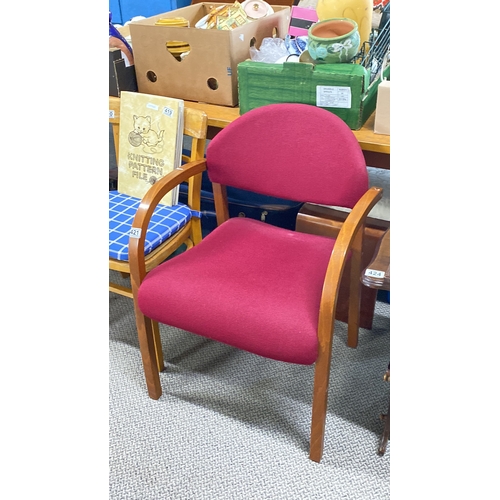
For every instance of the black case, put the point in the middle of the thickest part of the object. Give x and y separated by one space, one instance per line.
275 211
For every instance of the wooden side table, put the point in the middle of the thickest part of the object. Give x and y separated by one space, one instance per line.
377 275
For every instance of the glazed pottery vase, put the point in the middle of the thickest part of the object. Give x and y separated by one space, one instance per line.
333 40
360 11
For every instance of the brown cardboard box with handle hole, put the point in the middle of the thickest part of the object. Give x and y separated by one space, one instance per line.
208 71
383 112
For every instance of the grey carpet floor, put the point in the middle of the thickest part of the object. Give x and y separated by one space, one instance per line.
232 425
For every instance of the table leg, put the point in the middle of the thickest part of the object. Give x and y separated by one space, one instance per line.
386 434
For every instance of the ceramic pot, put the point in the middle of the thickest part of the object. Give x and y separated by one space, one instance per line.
360 11
333 40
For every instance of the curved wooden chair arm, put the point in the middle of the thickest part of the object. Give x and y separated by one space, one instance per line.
145 211
349 238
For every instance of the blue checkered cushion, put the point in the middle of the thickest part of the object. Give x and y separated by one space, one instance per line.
164 223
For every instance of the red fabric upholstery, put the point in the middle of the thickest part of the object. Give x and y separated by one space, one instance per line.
315 157
260 292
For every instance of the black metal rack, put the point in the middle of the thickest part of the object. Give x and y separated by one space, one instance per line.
373 52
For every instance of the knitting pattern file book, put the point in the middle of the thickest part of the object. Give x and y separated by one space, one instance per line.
150 146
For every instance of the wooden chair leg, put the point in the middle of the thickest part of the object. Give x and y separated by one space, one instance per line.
148 353
355 292
320 400
158 348
196 234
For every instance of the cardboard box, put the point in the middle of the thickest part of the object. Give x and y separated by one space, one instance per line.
383 110
343 89
209 72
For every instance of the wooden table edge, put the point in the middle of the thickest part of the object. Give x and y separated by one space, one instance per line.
221 116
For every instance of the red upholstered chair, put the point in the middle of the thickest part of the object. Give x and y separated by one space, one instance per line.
258 287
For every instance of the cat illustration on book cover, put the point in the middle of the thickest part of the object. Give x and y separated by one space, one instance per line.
151 141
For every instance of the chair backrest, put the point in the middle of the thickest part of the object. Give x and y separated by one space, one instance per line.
195 126
295 151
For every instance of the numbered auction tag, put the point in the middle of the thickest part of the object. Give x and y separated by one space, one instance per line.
111 113
168 111
135 232
374 273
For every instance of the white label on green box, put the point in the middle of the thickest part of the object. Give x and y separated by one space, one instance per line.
333 97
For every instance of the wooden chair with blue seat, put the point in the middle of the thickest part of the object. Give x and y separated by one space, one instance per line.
264 289
170 227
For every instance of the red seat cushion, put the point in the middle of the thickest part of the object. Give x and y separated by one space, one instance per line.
260 291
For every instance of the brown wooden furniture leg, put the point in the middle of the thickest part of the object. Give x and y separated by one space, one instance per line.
386 435
377 276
